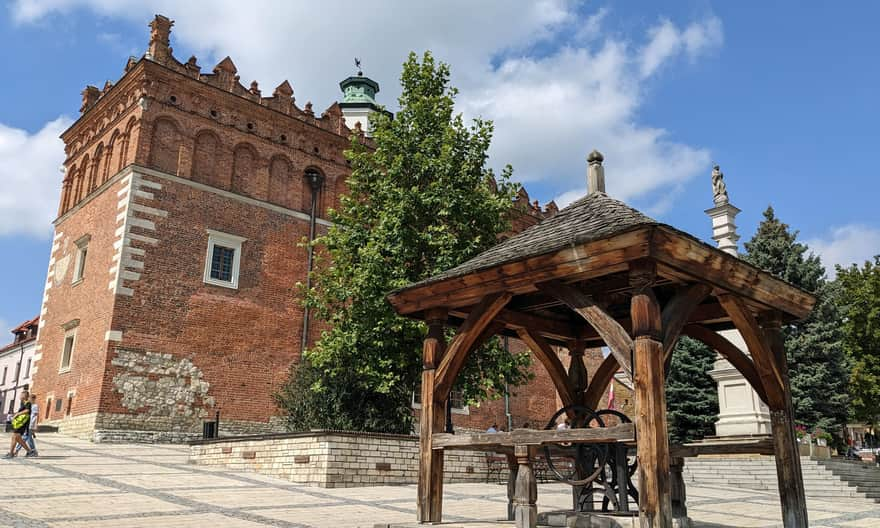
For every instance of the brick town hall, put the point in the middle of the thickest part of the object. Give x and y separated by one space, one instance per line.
171 290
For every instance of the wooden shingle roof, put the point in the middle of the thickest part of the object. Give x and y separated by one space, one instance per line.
593 217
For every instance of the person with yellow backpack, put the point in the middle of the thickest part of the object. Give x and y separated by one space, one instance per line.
20 422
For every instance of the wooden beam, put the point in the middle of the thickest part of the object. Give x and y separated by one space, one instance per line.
677 312
561 331
655 502
547 356
594 435
699 260
789 475
463 342
433 415
612 333
753 335
592 259
601 378
763 446
731 353
515 320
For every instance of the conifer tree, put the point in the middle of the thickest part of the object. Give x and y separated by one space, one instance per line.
818 369
421 201
691 394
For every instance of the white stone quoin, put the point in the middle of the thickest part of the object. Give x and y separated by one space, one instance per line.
740 410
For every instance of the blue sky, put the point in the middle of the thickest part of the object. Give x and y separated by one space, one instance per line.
782 95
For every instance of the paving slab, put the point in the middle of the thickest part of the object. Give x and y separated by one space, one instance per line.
77 484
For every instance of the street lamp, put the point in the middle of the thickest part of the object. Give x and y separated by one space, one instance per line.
316 181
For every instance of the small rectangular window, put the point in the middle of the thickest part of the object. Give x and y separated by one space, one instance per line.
223 259
67 351
58 404
69 404
459 406
79 265
17 370
48 406
27 368
4 374
221 263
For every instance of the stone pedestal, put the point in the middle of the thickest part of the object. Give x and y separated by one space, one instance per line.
741 411
724 227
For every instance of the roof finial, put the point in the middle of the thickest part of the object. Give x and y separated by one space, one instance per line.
357 64
595 173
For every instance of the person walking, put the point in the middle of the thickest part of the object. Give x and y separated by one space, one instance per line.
20 422
29 435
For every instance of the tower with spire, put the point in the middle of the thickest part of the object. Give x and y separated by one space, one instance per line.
359 100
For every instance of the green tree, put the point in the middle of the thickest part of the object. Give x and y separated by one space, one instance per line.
691 394
421 201
860 301
818 370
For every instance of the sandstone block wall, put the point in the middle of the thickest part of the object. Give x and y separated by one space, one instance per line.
335 459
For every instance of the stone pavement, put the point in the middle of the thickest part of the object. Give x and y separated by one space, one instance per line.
76 484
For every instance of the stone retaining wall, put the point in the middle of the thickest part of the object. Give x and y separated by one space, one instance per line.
335 459
130 428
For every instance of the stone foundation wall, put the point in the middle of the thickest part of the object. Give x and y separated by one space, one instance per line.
334 459
127 428
82 426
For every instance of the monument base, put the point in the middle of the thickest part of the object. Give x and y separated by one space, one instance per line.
740 410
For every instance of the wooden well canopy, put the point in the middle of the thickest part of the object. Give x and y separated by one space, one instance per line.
601 273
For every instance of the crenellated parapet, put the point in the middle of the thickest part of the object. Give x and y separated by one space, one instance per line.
158 114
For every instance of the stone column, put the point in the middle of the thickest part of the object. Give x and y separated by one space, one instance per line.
740 410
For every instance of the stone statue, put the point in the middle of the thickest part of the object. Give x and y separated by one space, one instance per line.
719 189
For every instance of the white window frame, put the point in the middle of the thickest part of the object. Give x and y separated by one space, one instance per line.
233 242
69 334
82 255
466 410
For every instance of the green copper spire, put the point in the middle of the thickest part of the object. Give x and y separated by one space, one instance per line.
359 89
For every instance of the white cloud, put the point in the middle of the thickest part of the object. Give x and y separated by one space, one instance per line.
29 170
849 244
666 41
549 110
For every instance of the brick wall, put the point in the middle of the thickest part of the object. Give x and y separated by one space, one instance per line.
84 307
335 459
155 161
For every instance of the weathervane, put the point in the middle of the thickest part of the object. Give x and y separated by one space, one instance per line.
357 64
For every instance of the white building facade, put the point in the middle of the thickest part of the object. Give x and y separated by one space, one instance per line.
17 366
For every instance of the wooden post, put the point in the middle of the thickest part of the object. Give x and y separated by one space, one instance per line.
678 493
430 491
622 477
513 469
577 382
655 506
577 371
525 510
788 460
